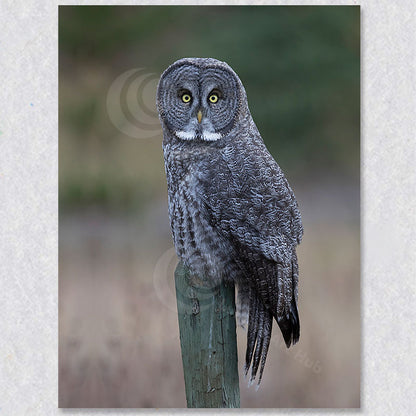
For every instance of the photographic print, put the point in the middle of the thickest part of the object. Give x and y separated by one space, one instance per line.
209 206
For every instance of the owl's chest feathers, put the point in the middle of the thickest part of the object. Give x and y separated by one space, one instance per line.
197 242
183 164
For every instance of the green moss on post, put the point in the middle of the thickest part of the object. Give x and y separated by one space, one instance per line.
208 341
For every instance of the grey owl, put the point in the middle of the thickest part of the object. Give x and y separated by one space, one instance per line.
232 212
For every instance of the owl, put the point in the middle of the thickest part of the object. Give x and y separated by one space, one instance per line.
232 212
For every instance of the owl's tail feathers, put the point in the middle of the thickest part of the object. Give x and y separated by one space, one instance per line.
243 305
258 338
289 325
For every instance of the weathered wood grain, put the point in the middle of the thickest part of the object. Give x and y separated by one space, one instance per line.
208 341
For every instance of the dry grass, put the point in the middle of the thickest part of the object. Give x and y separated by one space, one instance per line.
119 344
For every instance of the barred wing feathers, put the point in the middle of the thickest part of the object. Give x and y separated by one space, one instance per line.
256 210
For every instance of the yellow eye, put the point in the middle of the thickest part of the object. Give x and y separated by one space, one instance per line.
213 98
186 98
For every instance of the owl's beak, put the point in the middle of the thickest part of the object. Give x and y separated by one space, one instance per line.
199 116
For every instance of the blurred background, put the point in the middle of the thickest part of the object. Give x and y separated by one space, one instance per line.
118 328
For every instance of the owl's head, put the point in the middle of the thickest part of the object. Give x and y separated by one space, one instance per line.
200 99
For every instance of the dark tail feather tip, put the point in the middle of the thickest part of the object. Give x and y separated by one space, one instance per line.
290 327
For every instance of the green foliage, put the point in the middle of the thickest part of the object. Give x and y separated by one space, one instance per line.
100 192
300 67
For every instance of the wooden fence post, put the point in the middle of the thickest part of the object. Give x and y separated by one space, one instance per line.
208 341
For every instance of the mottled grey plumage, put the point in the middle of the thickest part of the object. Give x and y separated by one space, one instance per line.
232 212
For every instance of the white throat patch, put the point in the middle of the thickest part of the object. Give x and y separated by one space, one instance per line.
191 135
185 135
210 137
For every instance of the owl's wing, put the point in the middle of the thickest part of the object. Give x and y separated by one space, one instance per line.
249 201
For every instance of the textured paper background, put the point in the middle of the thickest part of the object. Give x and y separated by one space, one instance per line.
29 217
